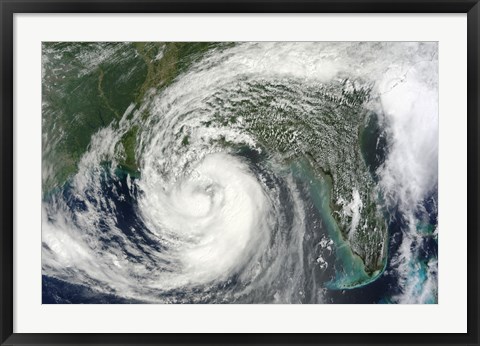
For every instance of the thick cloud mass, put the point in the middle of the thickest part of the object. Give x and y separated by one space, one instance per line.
218 214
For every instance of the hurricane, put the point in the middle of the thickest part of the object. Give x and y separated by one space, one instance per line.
240 172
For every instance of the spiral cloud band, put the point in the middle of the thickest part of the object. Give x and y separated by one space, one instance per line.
256 173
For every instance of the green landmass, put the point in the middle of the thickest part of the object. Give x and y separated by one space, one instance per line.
88 86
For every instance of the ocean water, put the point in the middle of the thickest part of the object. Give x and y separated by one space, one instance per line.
240 173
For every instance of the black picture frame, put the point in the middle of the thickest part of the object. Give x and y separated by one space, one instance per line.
7 175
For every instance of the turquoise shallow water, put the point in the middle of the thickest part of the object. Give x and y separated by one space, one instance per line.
234 173
350 270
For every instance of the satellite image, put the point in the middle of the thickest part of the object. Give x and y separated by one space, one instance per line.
239 172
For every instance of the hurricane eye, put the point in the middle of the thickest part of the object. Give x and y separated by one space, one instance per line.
248 172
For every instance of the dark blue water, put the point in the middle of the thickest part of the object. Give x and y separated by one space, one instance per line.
125 211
